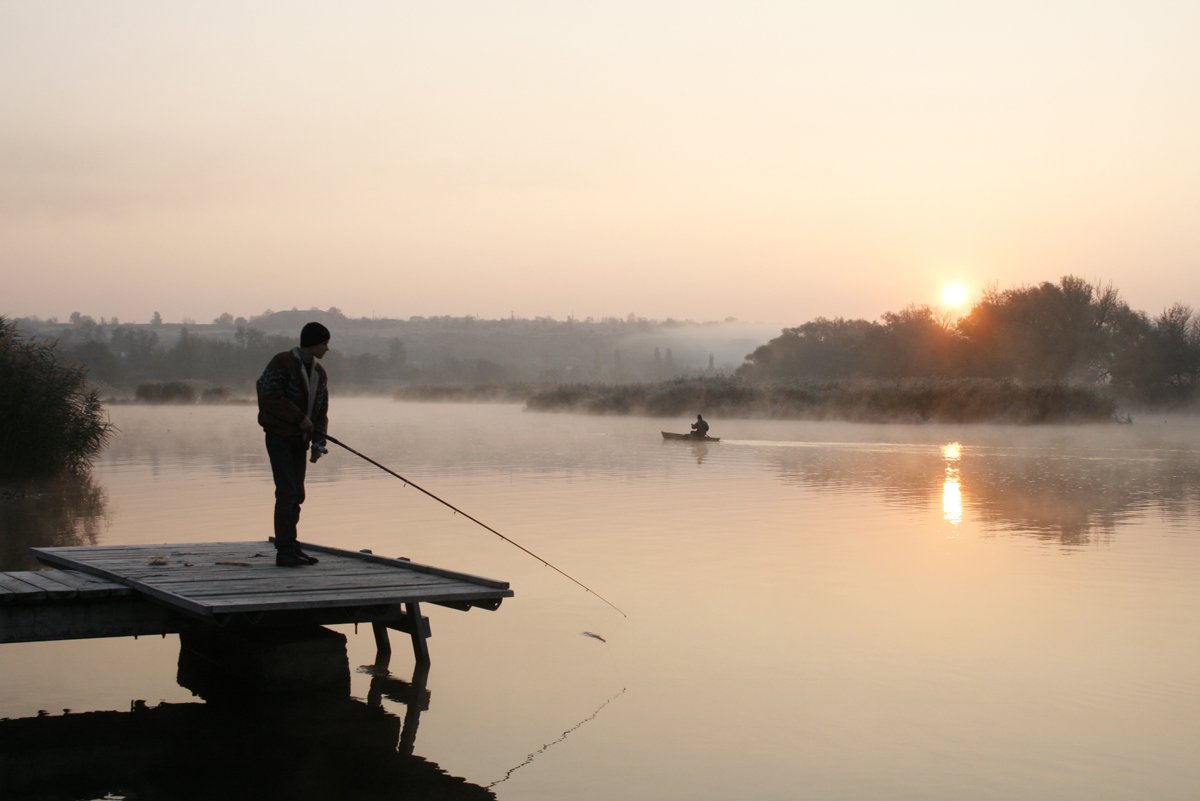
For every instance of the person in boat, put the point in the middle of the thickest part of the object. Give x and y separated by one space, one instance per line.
700 428
293 410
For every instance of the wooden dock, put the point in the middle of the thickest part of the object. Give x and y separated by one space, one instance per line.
117 590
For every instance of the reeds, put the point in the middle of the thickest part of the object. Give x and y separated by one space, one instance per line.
904 401
51 420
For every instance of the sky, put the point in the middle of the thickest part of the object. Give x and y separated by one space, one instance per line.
768 161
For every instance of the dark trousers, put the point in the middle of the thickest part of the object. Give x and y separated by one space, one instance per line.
288 465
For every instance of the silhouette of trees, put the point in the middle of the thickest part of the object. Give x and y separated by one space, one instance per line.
1049 332
915 342
821 348
1068 332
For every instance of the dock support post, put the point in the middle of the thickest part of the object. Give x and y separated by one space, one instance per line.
383 646
420 645
412 713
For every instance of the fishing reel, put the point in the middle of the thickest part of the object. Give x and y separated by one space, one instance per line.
318 450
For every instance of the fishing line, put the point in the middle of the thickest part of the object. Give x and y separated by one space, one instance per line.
449 505
529 759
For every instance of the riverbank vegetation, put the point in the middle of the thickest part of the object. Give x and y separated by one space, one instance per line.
1071 333
1061 350
52 420
386 355
1055 352
917 400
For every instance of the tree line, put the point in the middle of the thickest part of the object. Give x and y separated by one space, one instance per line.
383 354
1070 332
132 356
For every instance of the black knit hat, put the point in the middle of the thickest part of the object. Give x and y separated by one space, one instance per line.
313 334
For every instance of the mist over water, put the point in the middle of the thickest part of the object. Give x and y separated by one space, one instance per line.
816 610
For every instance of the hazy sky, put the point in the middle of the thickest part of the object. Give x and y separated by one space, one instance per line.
771 161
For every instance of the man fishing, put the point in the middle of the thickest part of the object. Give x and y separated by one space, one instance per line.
700 428
293 410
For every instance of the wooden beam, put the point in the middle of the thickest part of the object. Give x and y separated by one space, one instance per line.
419 633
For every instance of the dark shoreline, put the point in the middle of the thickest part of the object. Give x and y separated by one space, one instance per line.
908 401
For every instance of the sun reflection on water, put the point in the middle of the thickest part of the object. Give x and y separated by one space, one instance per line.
952 507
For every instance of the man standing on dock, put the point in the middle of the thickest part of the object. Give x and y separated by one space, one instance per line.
293 410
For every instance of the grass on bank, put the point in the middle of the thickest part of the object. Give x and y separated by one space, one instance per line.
909 401
905 401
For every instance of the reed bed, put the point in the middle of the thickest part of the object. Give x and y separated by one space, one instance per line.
53 421
904 401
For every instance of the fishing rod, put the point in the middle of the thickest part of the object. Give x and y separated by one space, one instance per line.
409 483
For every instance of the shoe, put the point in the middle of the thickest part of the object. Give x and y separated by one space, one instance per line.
290 559
312 560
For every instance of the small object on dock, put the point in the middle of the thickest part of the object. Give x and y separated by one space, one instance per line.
158 561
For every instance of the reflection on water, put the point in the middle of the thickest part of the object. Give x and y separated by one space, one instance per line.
66 510
815 610
1070 496
248 740
1071 488
533 755
952 504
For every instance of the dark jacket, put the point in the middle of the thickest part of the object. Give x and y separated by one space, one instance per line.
283 396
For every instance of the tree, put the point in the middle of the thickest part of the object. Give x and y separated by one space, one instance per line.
819 349
1175 345
913 342
53 422
1049 332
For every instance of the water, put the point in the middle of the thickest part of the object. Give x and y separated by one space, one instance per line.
815 610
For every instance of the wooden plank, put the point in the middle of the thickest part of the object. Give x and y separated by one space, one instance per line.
53 589
17 590
407 565
115 616
88 585
418 634
234 583
218 607
195 581
139 555
169 598
252 595
384 594
165 547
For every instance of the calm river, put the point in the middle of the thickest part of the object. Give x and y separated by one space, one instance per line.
815 610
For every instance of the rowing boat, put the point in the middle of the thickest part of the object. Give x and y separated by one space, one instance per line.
692 437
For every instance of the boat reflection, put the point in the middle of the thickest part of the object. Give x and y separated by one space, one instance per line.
243 741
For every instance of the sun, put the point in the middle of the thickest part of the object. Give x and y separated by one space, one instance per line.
954 295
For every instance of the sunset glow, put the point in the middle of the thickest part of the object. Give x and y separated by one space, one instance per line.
954 295
772 163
